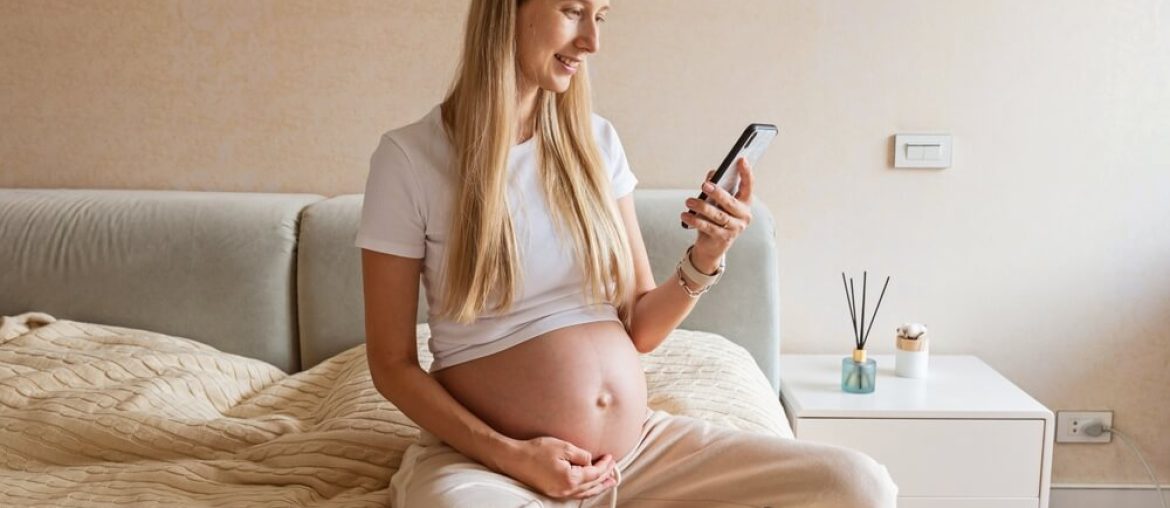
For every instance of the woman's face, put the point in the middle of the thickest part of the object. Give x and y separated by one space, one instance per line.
553 37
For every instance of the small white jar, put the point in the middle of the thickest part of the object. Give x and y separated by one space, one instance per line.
912 357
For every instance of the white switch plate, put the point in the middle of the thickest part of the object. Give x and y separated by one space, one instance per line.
922 151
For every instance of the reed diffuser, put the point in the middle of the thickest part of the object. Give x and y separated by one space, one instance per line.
858 373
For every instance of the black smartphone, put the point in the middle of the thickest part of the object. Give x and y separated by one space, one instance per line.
751 146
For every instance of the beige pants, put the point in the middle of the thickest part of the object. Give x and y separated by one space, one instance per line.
677 462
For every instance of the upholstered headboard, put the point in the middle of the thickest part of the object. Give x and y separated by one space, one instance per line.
210 266
276 276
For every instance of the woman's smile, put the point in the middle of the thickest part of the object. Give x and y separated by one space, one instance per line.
567 64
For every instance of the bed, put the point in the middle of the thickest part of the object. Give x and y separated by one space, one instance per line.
206 348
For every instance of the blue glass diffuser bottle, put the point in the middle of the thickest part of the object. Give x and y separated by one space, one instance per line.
858 373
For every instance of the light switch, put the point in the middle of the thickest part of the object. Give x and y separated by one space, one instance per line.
922 150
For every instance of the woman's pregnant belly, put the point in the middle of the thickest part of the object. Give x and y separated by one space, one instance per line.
582 383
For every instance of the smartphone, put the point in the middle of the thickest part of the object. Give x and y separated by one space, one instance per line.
751 146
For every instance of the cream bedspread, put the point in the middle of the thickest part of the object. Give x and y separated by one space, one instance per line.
95 415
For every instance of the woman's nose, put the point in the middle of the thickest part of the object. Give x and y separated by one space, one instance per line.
590 38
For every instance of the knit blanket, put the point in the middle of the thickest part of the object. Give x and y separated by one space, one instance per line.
98 415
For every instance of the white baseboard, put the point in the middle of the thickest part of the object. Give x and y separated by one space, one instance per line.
1106 496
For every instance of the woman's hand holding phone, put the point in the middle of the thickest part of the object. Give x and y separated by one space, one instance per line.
718 215
721 223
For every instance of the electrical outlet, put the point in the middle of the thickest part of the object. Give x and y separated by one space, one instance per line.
1070 426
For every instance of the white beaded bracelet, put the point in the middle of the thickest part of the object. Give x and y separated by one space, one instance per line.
686 267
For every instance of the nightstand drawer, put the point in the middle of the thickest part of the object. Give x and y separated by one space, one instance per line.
943 457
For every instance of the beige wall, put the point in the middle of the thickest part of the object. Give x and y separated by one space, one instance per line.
1045 249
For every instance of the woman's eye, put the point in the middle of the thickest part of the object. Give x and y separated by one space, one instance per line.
577 13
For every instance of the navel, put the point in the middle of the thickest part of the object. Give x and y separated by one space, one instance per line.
604 400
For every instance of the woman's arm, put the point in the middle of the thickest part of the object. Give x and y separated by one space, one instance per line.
390 284
658 309
428 404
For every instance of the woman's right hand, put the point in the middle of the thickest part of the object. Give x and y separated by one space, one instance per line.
558 469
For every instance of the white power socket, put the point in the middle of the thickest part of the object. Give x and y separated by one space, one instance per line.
1070 426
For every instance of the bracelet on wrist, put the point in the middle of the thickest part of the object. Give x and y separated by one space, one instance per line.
687 271
682 282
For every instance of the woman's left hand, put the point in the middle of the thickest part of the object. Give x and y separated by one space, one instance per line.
720 224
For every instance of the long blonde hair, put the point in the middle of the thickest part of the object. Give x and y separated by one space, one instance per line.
480 116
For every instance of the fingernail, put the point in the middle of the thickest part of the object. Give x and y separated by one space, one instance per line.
708 187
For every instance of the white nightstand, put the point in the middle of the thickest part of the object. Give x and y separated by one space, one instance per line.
963 437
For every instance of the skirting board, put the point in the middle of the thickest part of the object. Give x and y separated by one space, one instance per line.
1111 496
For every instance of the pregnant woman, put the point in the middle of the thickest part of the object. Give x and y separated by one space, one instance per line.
512 202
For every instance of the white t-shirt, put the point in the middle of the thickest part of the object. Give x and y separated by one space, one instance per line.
407 210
